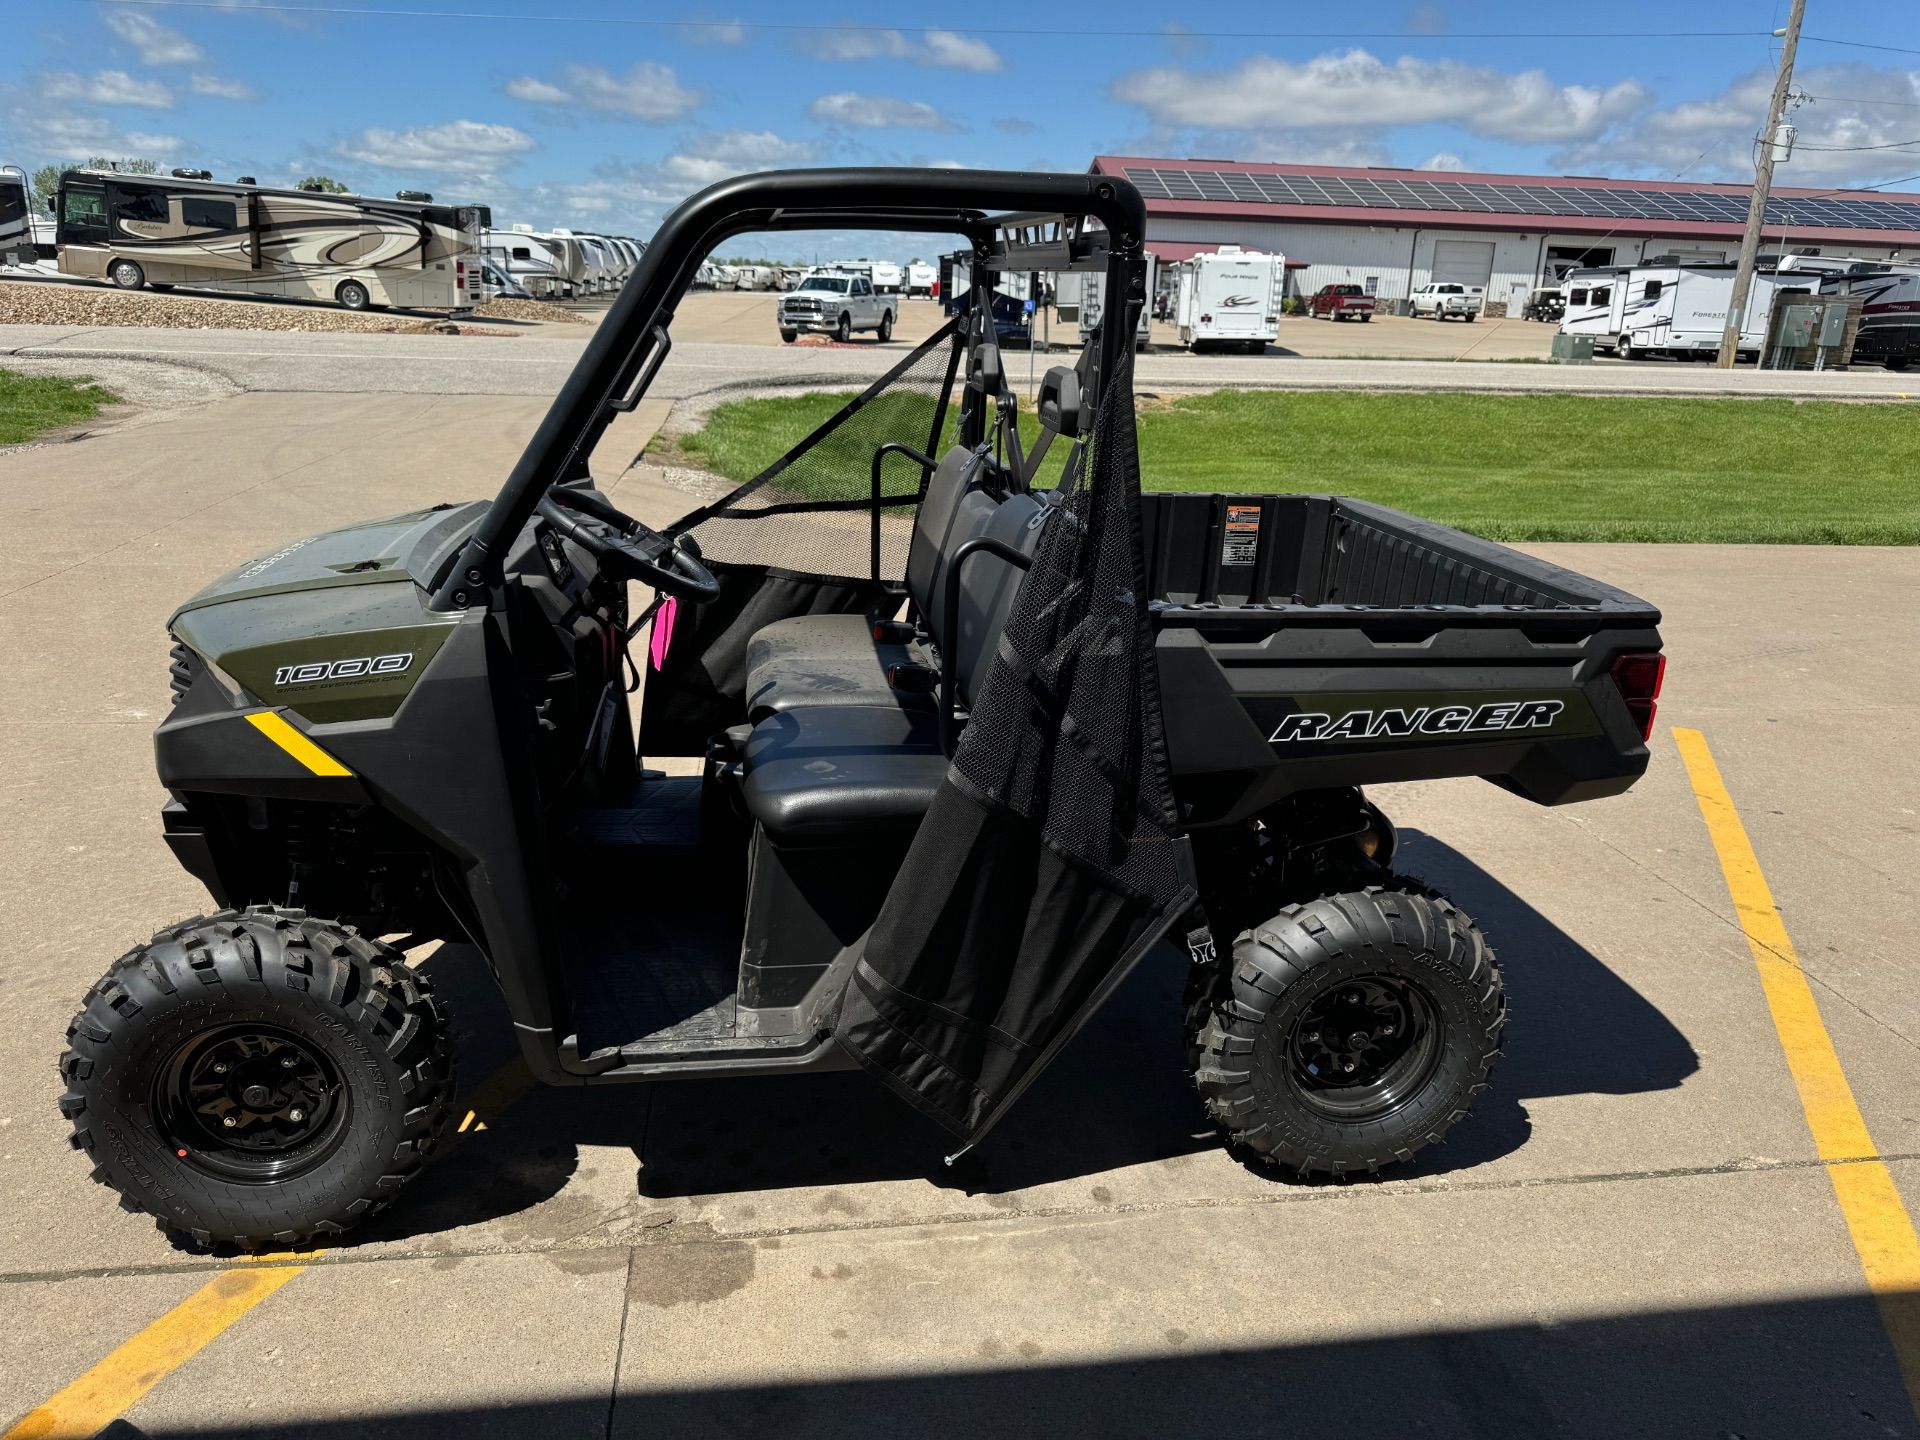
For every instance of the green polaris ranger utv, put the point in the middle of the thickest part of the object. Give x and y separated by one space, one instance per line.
978 728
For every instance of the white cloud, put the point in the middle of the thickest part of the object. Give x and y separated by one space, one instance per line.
943 49
1712 138
649 91
467 148
878 112
715 32
60 135
106 87
219 88
1357 88
724 153
156 44
1443 160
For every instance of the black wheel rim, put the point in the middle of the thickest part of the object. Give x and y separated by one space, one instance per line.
1364 1048
250 1103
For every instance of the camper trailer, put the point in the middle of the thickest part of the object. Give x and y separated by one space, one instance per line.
888 278
570 261
1230 297
187 229
922 278
1670 306
1889 331
1093 295
528 261
16 218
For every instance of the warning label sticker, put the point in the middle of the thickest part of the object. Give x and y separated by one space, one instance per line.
1242 540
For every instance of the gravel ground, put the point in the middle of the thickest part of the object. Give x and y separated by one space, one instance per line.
38 303
530 310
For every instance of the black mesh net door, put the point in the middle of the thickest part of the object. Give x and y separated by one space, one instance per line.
1051 857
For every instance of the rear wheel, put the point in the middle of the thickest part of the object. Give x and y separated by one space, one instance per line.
886 326
1349 1032
352 295
258 1078
127 274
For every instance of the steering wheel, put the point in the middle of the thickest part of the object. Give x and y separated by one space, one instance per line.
625 548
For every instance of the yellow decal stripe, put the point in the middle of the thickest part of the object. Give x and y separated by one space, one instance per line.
1877 1219
272 725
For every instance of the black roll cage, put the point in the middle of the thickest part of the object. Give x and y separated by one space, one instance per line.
1015 220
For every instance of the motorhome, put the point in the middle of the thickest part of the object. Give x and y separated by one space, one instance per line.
1889 331
16 218
1093 295
528 260
188 229
1671 306
1230 296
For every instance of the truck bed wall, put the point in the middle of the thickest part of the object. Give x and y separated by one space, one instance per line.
1314 550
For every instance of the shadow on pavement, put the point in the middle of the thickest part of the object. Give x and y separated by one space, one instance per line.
1118 1096
1802 1368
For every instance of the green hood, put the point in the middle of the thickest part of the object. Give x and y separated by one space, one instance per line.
292 627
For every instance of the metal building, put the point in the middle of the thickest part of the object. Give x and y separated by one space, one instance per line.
1394 230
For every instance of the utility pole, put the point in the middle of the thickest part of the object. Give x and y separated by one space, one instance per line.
1762 188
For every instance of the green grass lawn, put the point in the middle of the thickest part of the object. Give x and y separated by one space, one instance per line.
1509 467
31 405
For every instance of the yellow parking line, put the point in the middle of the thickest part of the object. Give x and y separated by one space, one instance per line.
115 1385
112 1387
1876 1217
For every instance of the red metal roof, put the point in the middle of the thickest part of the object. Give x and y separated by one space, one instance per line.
1173 251
1506 220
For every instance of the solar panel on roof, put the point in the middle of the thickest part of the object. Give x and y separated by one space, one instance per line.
1608 202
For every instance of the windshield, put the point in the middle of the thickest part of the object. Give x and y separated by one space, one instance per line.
831 284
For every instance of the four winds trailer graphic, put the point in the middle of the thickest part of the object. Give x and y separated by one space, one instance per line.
187 229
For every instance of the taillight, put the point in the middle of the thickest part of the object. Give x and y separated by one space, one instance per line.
1206 319
1638 677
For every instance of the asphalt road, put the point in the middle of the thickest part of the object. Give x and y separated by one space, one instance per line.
535 363
1634 1235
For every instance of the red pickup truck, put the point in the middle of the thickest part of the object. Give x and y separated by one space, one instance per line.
1341 302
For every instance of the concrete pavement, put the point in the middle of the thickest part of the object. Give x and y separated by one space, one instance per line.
536 362
1631 1236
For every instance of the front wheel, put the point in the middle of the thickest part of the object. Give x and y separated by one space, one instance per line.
127 274
789 336
258 1078
1349 1032
353 295
843 332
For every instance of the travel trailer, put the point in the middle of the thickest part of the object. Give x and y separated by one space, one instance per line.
570 261
188 229
529 261
1670 306
1093 295
888 278
922 278
1889 331
1230 297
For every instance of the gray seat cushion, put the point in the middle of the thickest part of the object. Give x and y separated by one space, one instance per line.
836 769
832 660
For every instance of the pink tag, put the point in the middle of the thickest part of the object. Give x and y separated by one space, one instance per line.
662 632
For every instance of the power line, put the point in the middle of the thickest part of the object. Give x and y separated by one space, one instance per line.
275 7
1862 100
1862 45
1849 149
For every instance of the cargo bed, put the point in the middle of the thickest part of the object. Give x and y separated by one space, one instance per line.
1309 641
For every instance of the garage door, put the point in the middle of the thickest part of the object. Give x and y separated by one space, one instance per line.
1463 262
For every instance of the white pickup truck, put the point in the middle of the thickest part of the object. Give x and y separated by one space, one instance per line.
837 303
1445 300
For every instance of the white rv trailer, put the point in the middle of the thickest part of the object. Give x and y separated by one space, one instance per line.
1093 297
1670 306
186 229
887 277
921 278
1230 297
570 260
1889 331
527 260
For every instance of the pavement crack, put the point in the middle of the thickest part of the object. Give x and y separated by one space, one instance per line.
620 1345
1325 1193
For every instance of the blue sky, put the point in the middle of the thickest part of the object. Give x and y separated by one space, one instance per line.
604 125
